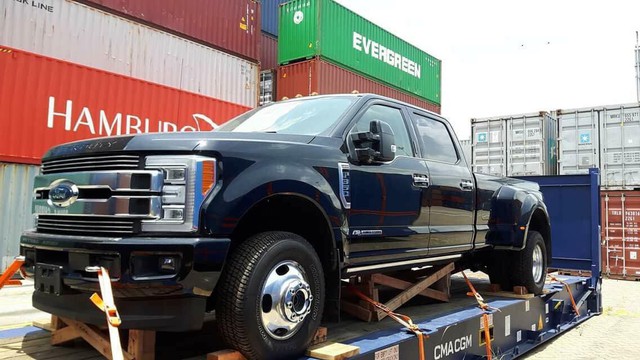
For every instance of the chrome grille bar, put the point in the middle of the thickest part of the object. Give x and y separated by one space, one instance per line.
105 162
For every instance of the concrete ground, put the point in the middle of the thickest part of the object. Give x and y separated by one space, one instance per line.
15 306
612 335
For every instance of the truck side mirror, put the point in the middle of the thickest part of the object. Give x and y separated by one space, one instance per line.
378 144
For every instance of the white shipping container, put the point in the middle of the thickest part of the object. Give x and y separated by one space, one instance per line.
620 150
466 149
607 137
80 34
489 146
532 144
515 145
579 140
16 194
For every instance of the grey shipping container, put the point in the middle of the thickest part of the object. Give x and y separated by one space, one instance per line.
515 145
16 194
466 149
607 137
267 87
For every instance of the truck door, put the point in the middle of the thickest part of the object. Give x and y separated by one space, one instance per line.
451 196
388 219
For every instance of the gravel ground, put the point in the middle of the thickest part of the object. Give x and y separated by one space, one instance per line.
612 335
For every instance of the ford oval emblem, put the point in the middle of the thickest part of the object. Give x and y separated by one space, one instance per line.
63 193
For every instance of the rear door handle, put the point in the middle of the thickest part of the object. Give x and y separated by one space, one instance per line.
420 180
466 185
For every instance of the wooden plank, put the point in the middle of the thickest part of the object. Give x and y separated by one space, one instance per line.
25 338
508 294
226 354
320 336
403 285
357 311
64 335
333 351
142 344
95 338
415 289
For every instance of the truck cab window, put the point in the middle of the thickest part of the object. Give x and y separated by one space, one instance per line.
393 117
436 140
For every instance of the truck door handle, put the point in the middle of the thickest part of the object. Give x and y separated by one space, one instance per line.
466 185
420 180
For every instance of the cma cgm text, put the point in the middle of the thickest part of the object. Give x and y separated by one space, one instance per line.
99 122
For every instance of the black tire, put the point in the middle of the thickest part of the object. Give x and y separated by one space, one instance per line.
523 264
240 298
499 269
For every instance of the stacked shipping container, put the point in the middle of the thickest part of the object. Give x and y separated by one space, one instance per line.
71 71
327 36
515 145
621 234
269 49
607 137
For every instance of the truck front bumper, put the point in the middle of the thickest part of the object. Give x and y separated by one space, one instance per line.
158 283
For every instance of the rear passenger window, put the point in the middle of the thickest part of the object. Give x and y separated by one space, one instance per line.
436 140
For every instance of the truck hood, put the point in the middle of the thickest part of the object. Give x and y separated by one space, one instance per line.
184 141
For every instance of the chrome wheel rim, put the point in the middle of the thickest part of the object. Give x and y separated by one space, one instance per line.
537 264
285 300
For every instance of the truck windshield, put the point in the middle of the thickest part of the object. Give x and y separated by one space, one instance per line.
308 116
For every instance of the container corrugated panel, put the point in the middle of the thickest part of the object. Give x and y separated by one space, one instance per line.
620 150
229 25
489 148
579 134
324 28
45 102
270 12
466 149
267 87
322 77
515 145
268 53
621 234
531 144
16 193
84 35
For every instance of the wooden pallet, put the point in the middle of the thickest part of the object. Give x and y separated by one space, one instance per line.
433 283
141 345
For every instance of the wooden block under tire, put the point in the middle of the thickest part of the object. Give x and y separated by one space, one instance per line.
333 351
225 355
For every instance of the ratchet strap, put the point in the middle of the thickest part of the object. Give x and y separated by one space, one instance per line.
401 319
108 306
5 278
485 316
566 286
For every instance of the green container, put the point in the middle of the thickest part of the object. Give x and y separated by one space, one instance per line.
310 28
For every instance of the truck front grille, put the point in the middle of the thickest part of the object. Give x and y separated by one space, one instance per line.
93 163
87 225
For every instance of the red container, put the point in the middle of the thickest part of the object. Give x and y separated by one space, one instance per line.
621 234
233 26
322 77
268 52
45 102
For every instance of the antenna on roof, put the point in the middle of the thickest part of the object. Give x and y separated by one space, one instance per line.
637 51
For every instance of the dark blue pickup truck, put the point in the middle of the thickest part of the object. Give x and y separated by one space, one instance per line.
262 218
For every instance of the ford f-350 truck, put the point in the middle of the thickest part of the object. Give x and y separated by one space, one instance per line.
263 218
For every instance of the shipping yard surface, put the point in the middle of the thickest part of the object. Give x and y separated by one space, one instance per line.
610 335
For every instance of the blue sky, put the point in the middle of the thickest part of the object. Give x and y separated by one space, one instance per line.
514 57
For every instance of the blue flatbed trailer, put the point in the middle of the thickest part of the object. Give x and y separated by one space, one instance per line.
455 330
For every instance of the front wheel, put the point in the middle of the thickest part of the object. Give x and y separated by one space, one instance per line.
530 264
270 296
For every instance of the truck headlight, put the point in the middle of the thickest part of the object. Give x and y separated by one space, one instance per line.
187 181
